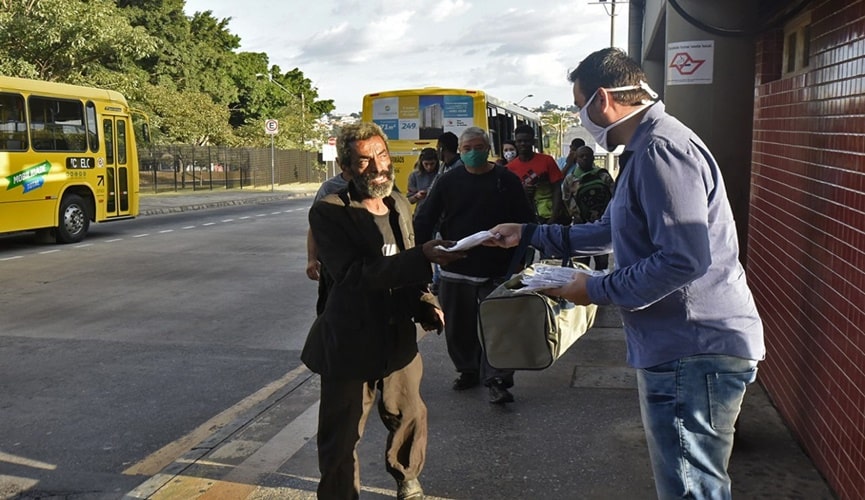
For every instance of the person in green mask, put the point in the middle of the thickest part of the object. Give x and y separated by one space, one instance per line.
466 200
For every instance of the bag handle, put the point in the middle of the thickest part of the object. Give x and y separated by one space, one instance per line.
566 246
527 231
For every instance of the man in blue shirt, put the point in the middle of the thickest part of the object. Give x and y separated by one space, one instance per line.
693 331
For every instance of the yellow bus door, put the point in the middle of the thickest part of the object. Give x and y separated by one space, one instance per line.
116 199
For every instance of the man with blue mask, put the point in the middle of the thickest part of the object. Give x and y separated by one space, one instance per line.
468 199
692 328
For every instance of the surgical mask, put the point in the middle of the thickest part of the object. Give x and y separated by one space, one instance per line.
599 132
510 155
475 158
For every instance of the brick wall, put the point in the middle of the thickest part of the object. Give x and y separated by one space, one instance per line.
806 257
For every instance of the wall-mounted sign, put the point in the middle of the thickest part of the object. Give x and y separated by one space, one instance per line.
690 62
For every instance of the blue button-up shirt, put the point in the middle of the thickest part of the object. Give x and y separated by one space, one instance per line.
678 281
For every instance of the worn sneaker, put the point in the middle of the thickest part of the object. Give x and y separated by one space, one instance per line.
409 490
465 381
499 394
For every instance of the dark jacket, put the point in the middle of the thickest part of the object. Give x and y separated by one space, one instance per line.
366 330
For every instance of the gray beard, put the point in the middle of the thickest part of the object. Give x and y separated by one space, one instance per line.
363 184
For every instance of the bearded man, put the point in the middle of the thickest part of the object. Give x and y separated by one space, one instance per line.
365 340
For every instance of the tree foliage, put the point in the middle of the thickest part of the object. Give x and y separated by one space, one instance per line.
67 40
185 71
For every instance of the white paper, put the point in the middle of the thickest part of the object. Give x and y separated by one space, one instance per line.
546 276
469 241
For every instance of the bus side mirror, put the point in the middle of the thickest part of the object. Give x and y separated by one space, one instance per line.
145 132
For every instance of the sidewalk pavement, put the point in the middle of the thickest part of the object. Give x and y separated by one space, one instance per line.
181 201
574 431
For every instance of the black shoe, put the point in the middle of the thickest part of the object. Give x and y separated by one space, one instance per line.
466 381
409 490
499 394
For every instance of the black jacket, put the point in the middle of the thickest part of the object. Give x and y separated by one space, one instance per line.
366 330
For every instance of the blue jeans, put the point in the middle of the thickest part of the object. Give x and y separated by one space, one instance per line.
689 409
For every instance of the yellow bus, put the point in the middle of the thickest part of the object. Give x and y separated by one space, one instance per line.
413 119
67 157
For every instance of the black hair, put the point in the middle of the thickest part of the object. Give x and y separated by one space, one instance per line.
525 129
449 142
610 68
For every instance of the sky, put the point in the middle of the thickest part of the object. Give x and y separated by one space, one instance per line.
349 48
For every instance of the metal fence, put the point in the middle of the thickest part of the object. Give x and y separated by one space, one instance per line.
179 167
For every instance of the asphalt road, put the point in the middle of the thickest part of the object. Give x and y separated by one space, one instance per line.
125 343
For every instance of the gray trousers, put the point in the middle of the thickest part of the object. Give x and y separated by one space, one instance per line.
460 301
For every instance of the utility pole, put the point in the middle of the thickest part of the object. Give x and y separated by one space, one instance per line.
611 159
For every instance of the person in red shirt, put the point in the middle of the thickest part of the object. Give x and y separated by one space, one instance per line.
540 174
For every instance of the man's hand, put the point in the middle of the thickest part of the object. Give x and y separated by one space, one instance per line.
507 236
313 270
575 291
437 323
571 160
438 256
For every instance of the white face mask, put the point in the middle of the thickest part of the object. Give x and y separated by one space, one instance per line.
510 155
599 132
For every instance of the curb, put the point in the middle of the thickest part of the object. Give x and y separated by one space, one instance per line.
192 205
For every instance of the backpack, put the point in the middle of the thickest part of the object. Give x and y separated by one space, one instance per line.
593 194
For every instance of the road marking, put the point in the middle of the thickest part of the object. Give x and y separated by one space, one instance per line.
243 479
27 462
164 231
161 458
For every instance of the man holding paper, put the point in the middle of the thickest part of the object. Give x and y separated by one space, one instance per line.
467 199
692 327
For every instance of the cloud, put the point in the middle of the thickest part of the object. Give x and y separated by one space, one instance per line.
445 10
347 43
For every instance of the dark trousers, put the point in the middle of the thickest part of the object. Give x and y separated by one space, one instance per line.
345 406
460 301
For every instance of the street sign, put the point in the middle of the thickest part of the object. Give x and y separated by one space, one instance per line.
271 127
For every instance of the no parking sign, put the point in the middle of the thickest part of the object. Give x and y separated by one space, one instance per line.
271 127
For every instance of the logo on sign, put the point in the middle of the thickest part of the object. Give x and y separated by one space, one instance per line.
685 64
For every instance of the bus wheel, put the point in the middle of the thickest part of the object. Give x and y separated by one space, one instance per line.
74 221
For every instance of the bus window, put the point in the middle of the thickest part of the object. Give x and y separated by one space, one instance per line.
121 142
13 125
92 127
57 124
108 129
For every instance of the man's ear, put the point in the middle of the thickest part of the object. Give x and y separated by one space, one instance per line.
603 98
